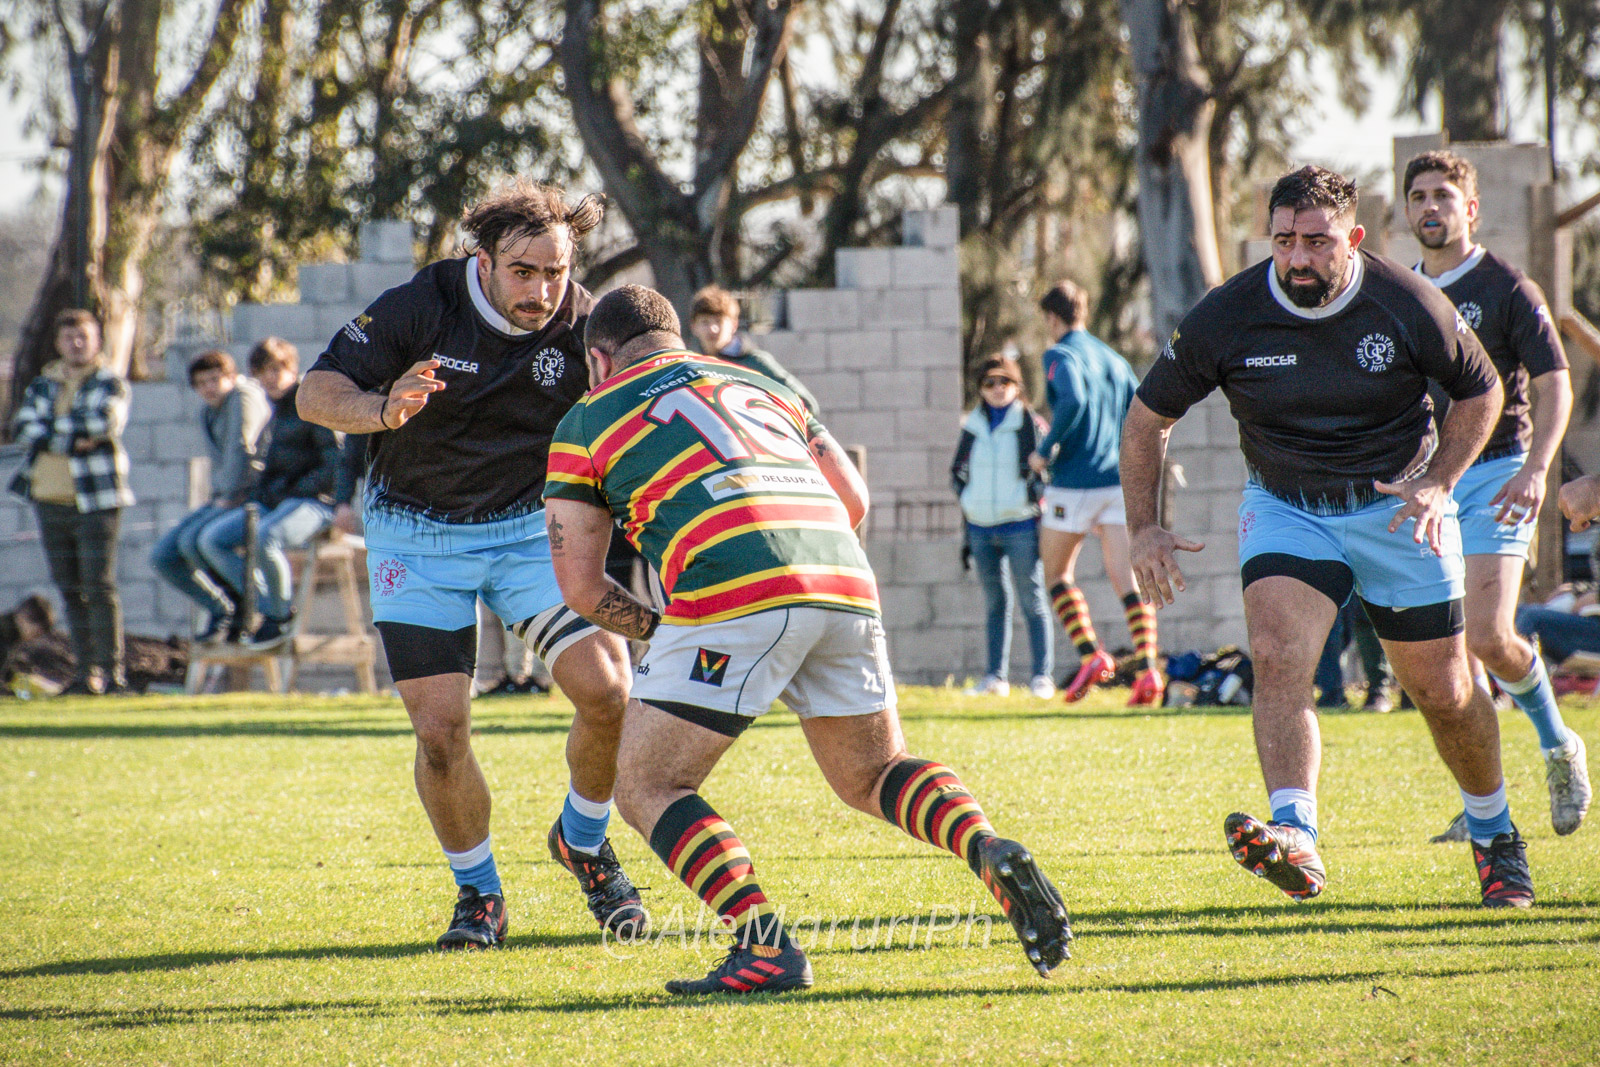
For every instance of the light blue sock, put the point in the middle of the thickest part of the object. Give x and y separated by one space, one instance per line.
584 821
475 867
1487 817
1295 807
1537 699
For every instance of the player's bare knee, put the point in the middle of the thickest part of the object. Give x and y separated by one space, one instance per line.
442 744
1443 697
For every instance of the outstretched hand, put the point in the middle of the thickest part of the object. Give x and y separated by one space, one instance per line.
409 394
1425 502
1150 550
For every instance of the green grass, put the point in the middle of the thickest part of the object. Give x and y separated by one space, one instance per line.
251 880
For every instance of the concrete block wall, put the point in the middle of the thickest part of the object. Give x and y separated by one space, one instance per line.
882 352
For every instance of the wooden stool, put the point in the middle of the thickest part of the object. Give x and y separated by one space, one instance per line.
329 556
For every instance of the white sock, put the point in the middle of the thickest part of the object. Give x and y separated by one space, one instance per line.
462 861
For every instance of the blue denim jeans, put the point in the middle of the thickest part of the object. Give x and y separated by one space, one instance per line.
177 558
997 554
292 524
1560 634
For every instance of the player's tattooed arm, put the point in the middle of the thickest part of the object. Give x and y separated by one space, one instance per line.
580 536
842 475
623 613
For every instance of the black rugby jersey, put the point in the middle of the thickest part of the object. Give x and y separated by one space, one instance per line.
1328 399
1507 310
477 451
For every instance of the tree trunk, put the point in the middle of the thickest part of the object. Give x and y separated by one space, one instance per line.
969 123
1472 107
1176 224
131 150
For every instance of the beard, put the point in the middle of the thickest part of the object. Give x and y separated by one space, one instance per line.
528 315
1445 234
1313 295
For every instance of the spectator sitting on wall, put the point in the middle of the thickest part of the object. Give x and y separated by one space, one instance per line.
296 492
71 419
236 410
715 322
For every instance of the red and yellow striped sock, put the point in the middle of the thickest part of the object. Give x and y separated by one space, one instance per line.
1073 611
708 857
928 801
1142 627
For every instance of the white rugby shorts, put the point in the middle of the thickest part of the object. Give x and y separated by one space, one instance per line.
1081 510
820 661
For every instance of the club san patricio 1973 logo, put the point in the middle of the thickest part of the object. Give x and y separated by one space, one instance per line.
1375 352
549 365
1472 313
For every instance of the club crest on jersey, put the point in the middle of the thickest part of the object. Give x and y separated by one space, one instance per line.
1470 313
709 667
389 577
1375 352
549 365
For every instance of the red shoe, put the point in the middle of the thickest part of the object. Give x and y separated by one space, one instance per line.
1098 669
1148 690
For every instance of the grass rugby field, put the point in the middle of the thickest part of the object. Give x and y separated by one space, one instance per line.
251 880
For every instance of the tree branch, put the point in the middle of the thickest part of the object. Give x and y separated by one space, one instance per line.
613 265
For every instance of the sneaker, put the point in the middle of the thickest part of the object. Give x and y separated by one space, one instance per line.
1503 871
479 921
989 686
1028 899
1284 855
1148 690
215 631
1567 774
612 899
752 969
1042 687
1098 669
271 633
1453 834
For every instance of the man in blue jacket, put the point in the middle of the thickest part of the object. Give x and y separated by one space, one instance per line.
1089 387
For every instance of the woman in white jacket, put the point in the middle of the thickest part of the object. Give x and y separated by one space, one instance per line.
1000 501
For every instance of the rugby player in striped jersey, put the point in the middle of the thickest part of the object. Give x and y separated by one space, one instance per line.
744 505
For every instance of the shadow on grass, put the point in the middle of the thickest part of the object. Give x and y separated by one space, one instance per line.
551 724
445 1007
181 961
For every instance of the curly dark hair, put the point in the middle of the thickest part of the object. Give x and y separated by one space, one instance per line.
1456 170
1311 187
527 209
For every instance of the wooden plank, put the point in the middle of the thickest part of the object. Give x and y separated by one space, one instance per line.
1577 211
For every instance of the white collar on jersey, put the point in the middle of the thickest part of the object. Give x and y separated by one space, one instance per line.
486 309
1450 277
1339 304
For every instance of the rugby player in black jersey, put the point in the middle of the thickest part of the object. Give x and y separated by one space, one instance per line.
1324 353
461 376
1500 494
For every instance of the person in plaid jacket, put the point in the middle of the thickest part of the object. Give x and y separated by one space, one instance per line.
71 418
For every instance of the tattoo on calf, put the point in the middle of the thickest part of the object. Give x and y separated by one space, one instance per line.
624 614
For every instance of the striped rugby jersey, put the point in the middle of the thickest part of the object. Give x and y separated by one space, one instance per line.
705 467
